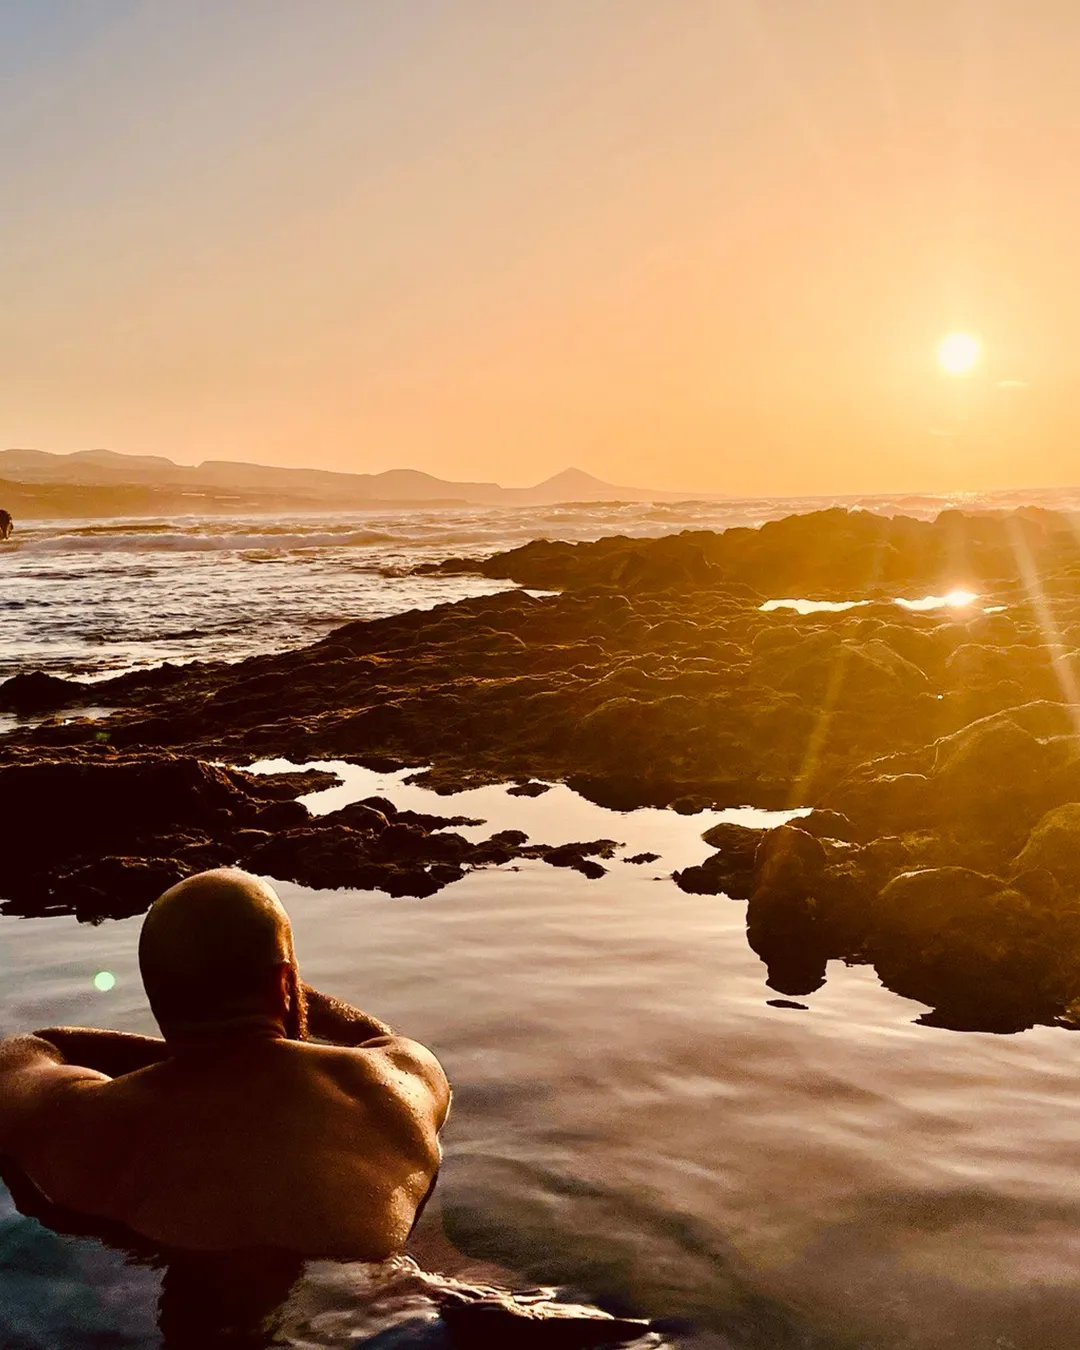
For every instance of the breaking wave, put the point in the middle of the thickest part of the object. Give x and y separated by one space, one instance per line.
96 597
141 541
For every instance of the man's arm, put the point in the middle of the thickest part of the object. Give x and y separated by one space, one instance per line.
30 1069
331 1019
113 1053
33 1066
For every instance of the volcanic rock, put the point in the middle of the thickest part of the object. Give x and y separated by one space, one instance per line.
38 692
730 871
581 856
292 783
978 949
1054 846
926 740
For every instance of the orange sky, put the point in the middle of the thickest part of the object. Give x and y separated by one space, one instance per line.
680 243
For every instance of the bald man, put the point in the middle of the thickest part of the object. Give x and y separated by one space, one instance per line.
235 1130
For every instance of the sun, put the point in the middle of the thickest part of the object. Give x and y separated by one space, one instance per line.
958 353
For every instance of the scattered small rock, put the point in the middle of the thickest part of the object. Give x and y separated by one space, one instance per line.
532 789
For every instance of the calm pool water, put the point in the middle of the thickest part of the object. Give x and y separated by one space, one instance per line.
633 1118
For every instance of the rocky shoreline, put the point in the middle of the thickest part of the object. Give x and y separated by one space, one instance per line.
939 748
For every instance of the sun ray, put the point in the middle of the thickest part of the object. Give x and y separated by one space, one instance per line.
1044 615
803 781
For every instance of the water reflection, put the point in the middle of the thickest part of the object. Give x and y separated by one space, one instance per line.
202 1301
11 721
558 815
638 1117
812 606
951 600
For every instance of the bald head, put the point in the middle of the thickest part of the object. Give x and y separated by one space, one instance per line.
210 949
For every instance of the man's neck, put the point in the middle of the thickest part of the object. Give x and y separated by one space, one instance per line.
237 1034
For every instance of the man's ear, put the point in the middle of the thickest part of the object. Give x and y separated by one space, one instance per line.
282 986
295 1017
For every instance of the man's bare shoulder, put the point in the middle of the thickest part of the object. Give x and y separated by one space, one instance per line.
408 1069
40 1092
30 1066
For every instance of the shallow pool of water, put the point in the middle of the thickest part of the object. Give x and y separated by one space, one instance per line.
634 1118
953 600
557 816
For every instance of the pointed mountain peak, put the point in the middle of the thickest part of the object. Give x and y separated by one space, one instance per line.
570 477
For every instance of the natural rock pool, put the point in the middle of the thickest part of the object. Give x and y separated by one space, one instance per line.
636 1116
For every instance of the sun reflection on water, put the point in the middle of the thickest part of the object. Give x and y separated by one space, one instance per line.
957 599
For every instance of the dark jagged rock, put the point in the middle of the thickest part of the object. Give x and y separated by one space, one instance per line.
283 815
785 924
130 825
383 805
509 838
102 836
361 817
529 789
116 888
738 841
824 824
427 821
788 860
833 551
292 783
96 802
326 855
38 692
981 951
1053 847
729 871
400 859
638 695
588 867
602 848
925 740
581 856
898 801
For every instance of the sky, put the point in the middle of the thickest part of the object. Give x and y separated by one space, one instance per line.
685 244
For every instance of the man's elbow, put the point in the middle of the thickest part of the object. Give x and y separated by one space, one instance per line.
444 1102
20 1056
19 1052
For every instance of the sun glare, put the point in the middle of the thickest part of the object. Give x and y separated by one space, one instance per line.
958 353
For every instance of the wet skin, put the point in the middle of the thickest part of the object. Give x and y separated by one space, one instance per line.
244 1140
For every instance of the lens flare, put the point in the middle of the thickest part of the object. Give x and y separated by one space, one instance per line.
104 980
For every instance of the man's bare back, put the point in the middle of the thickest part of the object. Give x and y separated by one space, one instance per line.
233 1134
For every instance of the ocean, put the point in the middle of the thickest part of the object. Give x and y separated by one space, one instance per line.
638 1118
99 597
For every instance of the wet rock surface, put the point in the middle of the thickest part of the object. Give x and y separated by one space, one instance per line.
36 692
935 745
127 825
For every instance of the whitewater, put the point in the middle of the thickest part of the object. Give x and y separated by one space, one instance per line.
96 598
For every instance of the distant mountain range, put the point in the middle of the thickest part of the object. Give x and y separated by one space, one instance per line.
38 482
